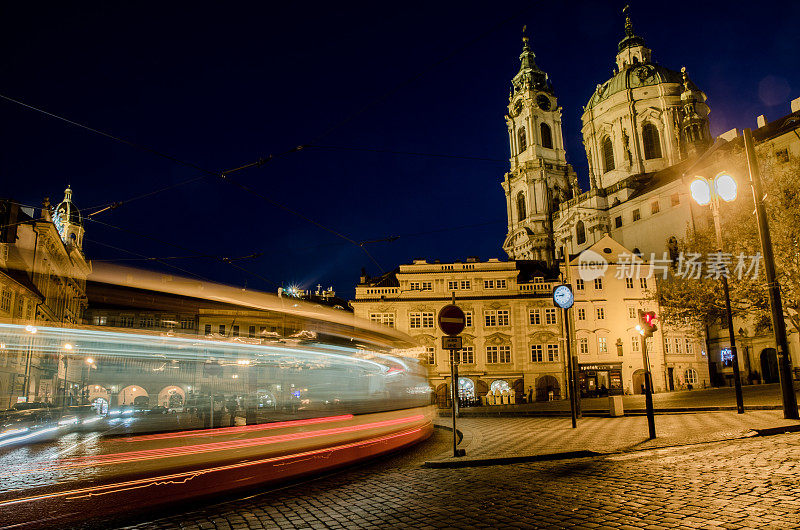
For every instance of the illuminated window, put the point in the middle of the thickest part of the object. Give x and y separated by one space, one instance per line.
536 353
498 354
465 355
655 207
535 317
602 344
430 355
387 319
550 315
418 320
552 353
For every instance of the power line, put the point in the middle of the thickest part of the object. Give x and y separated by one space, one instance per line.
411 153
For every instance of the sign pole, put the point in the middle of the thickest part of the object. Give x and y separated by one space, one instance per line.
451 322
648 391
571 372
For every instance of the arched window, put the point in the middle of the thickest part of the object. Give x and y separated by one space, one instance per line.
499 385
580 232
521 212
547 137
691 376
608 155
523 139
652 144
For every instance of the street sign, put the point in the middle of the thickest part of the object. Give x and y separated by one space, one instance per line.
451 343
451 320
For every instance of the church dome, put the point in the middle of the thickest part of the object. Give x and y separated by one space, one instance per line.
634 76
67 211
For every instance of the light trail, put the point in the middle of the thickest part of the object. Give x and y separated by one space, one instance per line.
236 430
183 477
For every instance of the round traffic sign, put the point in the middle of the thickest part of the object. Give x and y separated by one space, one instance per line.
451 320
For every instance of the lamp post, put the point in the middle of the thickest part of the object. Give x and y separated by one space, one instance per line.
68 347
710 192
773 289
28 361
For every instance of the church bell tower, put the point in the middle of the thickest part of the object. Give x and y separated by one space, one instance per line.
539 178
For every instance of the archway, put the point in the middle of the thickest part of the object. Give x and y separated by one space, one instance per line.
545 385
481 388
171 397
442 396
638 381
519 390
769 366
498 385
129 394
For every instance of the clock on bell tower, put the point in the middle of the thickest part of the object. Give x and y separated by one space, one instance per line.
539 177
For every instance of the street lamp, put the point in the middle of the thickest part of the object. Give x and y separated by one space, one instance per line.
85 390
710 192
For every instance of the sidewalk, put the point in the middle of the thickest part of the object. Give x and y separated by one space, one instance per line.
755 397
490 441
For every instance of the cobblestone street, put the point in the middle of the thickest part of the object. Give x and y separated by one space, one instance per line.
745 483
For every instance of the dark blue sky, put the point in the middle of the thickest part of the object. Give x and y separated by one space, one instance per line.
222 84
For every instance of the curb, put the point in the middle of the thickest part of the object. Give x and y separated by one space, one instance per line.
477 462
452 463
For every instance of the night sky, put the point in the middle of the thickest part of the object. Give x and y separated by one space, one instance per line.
224 84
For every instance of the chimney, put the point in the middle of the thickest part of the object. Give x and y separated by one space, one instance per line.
795 104
761 121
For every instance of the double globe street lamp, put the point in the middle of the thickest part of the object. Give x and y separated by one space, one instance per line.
704 192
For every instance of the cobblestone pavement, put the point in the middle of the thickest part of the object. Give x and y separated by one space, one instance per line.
746 483
503 437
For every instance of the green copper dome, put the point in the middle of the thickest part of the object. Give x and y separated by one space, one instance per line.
634 76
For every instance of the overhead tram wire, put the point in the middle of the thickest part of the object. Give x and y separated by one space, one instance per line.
207 172
229 261
410 153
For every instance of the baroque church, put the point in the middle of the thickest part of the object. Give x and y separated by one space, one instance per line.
642 130
645 119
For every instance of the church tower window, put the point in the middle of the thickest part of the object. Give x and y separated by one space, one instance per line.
521 213
523 139
547 136
650 139
608 154
580 232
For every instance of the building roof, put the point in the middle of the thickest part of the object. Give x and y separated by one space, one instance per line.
388 279
67 210
777 127
635 76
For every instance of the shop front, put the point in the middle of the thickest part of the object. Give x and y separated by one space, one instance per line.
600 379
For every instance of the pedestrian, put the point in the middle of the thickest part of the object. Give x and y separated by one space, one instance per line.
530 394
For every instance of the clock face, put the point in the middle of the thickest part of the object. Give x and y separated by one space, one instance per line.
562 296
543 102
